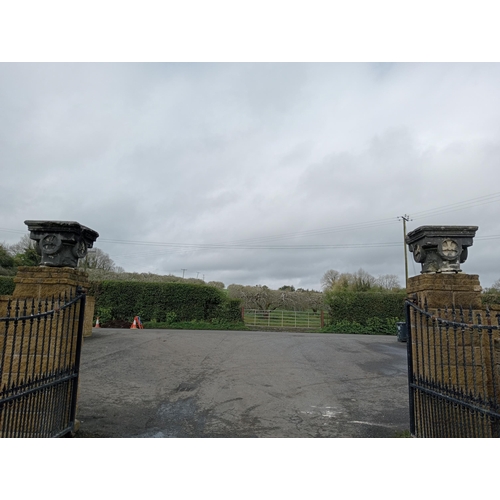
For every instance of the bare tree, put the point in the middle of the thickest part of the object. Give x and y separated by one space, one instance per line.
335 281
329 279
496 285
256 297
360 281
97 259
363 281
217 284
388 282
25 252
102 275
287 298
25 243
6 261
262 297
309 299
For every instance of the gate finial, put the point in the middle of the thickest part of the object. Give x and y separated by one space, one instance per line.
61 243
441 249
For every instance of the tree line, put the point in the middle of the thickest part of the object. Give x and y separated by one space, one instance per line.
287 297
359 281
101 267
97 263
22 253
264 298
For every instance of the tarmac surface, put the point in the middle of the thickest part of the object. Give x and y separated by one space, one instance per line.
185 383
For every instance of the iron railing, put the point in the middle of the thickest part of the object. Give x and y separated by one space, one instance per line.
453 371
40 347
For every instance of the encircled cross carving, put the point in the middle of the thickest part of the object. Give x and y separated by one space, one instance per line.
449 249
50 243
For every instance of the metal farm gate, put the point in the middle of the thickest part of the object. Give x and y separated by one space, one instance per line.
40 346
453 369
283 319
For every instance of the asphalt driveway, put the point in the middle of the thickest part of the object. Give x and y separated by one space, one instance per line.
183 383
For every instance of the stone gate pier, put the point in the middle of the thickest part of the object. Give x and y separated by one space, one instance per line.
440 250
454 342
41 330
60 244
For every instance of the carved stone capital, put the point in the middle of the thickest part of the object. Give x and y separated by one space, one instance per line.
61 243
441 249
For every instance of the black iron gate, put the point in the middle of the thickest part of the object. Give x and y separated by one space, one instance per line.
40 346
453 371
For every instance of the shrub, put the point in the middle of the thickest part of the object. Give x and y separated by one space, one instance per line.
104 314
6 285
490 297
216 324
170 317
374 326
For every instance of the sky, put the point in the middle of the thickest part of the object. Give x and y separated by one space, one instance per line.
267 173
254 173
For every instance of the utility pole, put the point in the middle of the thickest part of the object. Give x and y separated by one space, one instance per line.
183 271
197 274
405 218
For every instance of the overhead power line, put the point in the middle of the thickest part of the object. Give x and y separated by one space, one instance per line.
246 244
462 205
488 237
324 230
189 246
12 230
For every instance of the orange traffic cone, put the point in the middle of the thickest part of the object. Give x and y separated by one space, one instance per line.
97 325
134 325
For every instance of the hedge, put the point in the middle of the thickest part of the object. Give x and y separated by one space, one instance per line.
6 285
491 297
162 302
374 326
365 312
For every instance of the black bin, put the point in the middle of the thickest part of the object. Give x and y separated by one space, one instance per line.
402 332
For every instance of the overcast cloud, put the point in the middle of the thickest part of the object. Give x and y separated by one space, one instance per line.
214 159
